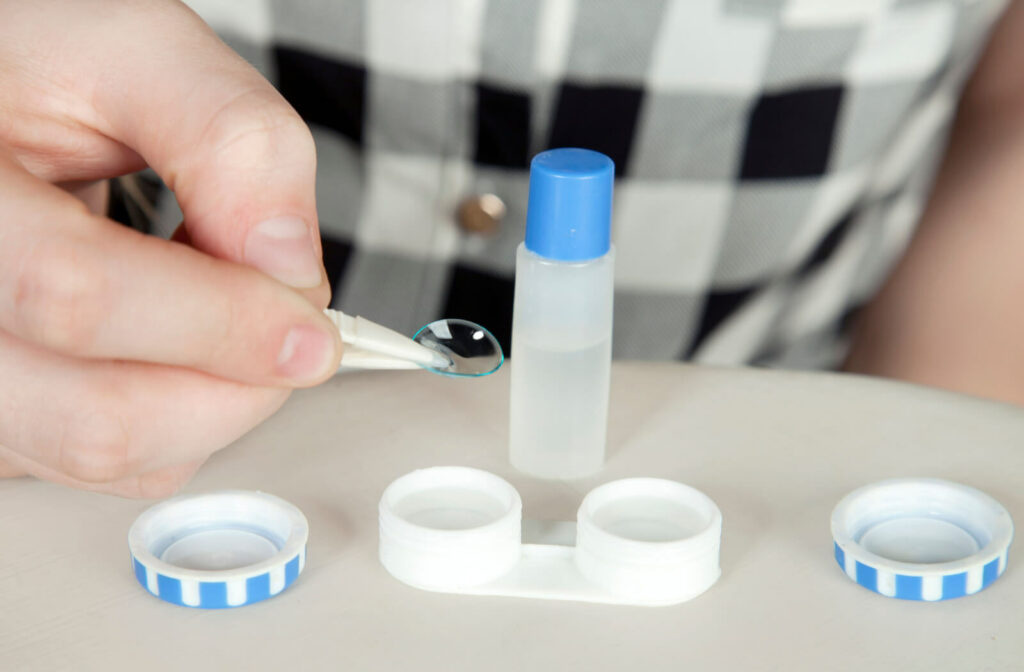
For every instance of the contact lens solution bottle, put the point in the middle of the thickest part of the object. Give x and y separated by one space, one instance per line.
562 320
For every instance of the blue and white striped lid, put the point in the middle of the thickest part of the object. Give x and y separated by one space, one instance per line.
220 549
921 538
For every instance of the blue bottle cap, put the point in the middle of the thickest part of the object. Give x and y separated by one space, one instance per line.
569 216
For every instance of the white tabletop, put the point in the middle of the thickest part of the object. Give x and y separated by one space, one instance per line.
775 450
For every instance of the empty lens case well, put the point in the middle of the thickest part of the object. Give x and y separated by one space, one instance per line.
641 541
921 538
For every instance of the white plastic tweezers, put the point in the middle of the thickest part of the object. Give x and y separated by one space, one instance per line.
369 345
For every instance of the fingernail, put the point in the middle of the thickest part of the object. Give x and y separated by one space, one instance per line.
283 248
306 354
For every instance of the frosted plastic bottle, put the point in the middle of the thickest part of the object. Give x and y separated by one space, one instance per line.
562 320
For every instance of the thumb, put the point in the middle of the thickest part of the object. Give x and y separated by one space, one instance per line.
240 161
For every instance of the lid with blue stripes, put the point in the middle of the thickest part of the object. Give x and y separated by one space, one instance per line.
921 538
220 549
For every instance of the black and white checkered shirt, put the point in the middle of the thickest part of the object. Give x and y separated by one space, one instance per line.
773 156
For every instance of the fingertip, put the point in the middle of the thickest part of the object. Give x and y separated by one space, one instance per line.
283 248
158 484
319 296
309 353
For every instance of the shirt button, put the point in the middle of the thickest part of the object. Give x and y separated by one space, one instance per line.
481 214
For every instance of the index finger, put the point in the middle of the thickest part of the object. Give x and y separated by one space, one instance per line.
84 286
239 159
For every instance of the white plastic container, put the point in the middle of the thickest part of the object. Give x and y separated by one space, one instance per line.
562 319
637 541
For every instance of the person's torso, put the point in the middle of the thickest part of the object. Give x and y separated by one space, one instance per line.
773 156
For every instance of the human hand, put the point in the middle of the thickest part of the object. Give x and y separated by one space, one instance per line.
126 360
